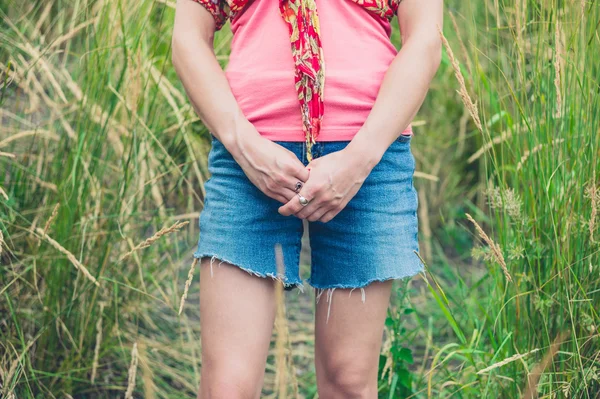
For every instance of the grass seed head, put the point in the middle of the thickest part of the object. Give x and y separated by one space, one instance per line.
132 372
495 249
162 232
69 256
188 282
463 92
98 343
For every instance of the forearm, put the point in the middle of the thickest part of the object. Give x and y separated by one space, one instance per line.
402 91
205 83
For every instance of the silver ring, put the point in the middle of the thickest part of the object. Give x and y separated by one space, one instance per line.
298 186
303 201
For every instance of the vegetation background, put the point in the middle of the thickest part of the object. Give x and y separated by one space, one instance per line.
102 164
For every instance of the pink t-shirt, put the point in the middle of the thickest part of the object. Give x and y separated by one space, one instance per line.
357 52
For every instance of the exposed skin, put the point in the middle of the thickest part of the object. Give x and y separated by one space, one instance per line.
236 324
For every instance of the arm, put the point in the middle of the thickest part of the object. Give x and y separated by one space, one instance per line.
337 177
406 81
200 73
272 168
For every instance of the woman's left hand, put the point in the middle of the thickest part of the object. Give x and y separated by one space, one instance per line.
333 181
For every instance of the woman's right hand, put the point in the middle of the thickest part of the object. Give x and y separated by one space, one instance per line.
272 168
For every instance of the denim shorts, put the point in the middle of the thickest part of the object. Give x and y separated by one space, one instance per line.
374 238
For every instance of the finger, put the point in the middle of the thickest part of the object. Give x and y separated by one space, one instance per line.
293 183
308 210
293 206
299 172
280 186
277 197
286 193
329 215
316 215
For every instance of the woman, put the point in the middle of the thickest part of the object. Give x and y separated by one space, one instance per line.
310 120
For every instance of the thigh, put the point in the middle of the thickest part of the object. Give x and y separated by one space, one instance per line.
348 335
237 311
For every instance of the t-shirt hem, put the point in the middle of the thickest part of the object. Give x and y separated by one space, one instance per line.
324 135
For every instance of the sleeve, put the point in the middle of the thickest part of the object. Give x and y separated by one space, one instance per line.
219 9
394 4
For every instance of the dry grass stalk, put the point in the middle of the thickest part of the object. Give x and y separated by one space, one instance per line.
98 342
282 349
517 128
96 112
188 282
510 359
69 256
557 70
7 155
462 134
170 92
14 366
280 327
149 241
427 176
3 194
1 241
389 358
147 375
535 149
497 253
425 223
52 217
592 192
463 48
38 133
71 34
536 373
132 372
505 135
464 94
519 14
167 3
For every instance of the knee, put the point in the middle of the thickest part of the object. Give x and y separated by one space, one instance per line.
225 390
229 380
349 380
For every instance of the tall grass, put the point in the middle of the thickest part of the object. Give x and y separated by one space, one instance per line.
96 125
533 70
102 161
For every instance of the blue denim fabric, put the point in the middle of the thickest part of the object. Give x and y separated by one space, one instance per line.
372 239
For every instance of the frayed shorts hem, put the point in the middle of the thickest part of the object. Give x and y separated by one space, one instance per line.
290 285
287 285
402 276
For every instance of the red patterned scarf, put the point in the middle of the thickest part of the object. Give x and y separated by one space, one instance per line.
303 23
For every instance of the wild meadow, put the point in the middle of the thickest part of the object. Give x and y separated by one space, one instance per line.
102 164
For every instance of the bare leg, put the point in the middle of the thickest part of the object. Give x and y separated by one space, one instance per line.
347 345
237 311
